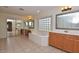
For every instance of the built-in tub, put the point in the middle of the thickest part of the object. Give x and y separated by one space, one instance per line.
39 37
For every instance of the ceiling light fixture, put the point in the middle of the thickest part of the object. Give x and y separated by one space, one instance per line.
66 8
29 17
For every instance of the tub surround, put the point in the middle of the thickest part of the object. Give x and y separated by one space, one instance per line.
39 37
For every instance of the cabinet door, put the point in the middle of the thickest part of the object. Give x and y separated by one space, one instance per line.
69 43
56 39
76 45
51 39
59 41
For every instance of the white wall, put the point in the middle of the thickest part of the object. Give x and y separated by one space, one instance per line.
3 27
53 13
72 32
36 24
3 23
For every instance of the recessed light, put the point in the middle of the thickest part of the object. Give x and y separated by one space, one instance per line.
21 9
38 11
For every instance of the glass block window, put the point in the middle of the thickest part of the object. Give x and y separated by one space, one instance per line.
45 24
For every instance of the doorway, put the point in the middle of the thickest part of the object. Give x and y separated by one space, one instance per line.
10 27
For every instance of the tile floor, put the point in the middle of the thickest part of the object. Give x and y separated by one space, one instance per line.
22 44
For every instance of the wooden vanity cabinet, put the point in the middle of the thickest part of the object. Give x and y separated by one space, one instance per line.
56 40
51 41
69 43
76 45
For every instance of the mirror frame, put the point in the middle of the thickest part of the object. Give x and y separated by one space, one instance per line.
64 14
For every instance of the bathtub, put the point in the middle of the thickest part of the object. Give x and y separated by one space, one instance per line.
39 37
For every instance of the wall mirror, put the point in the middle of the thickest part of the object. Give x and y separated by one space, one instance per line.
68 21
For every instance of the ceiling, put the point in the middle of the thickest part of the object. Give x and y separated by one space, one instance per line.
28 10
